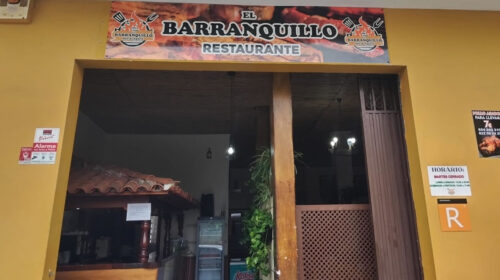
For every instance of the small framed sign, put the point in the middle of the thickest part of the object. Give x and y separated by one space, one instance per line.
454 215
487 129
449 180
138 212
15 11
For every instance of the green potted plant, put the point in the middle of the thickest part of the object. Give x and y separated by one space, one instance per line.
258 222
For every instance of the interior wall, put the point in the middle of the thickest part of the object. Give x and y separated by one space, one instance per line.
452 68
91 142
181 157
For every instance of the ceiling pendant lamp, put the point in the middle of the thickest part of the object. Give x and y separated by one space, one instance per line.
341 141
230 151
334 140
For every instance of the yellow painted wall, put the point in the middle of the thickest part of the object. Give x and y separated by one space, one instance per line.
453 68
452 63
36 69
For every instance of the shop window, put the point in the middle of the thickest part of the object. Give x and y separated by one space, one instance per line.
157 137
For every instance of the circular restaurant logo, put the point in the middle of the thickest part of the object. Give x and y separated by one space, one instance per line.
133 31
363 36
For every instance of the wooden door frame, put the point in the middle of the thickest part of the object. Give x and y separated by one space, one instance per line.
284 177
285 220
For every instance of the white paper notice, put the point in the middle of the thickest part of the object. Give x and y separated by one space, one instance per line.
449 180
138 211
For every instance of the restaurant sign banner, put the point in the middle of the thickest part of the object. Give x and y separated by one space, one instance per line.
167 31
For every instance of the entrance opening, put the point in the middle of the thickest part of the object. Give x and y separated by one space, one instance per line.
154 191
328 135
334 229
158 184
352 190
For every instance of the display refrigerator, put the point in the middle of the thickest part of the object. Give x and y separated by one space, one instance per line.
210 249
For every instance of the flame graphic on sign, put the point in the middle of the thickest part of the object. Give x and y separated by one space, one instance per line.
363 29
134 24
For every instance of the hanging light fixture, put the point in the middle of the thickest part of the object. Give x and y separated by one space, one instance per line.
350 142
334 141
230 151
209 153
341 141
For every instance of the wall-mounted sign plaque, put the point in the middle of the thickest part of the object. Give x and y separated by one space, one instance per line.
487 129
15 10
449 180
454 215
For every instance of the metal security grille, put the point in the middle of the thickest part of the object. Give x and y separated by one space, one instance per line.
335 242
380 95
390 192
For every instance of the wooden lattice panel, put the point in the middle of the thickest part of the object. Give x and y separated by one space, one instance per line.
335 242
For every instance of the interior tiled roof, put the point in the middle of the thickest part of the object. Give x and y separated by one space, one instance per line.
112 180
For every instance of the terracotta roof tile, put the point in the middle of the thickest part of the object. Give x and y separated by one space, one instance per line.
112 180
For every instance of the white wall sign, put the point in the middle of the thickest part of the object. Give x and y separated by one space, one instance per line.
449 180
15 10
46 135
45 146
138 212
44 149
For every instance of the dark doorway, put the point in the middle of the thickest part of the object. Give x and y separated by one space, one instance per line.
352 190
